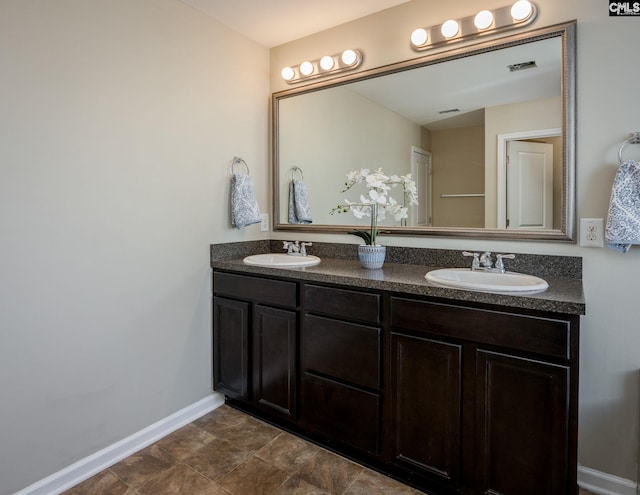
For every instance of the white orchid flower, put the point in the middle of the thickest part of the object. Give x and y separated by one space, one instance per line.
401 214
377 197
358 213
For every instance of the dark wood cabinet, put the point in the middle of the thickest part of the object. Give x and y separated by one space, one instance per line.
341 414
274 340
453 398
484 401
426 411
341 366
522 425
231 347
255 342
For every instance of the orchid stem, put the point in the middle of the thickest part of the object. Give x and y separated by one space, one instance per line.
374 220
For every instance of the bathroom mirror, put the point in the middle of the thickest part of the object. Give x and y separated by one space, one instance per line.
457 120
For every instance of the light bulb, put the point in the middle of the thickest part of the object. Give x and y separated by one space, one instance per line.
349 57
449 29
483 19
306 68
419 37
287 73
327 62
521 10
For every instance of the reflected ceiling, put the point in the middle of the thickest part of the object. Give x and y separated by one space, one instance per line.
468 84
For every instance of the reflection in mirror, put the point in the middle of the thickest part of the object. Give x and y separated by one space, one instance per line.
486 132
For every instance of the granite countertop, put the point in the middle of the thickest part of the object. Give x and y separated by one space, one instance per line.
564 295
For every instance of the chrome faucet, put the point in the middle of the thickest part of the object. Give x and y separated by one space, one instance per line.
292 247
484 262
296 248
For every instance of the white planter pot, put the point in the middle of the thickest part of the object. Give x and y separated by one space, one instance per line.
372 257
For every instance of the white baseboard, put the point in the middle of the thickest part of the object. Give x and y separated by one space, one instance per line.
604 484
101 460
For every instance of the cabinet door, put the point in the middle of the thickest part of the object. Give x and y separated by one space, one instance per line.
274 360
231 347
426 405
522 423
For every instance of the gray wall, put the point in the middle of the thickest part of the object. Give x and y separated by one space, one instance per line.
118 122
607 111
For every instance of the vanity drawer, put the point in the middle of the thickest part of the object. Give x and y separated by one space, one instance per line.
547 336
341 303
340 412
342 350
262 290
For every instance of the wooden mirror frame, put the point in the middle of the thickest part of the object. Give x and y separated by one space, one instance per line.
567 232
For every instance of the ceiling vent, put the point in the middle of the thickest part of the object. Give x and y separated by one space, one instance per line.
522 66
451 110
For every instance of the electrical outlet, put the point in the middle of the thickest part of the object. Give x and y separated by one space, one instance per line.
264 223
591 232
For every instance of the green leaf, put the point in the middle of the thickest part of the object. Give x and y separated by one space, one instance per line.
363 234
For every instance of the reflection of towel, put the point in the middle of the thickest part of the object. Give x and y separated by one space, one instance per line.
623 220
244 205
299 211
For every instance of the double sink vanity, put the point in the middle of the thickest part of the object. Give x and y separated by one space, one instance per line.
451 391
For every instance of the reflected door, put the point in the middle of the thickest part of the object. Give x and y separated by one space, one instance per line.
421 172
529 185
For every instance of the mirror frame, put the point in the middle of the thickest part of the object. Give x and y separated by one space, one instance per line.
566 31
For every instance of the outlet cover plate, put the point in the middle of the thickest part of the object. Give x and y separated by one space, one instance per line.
592 232
264 223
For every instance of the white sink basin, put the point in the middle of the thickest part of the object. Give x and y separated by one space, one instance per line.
464 278
281 260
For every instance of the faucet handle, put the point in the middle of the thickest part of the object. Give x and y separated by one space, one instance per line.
475 265
303 247
500 263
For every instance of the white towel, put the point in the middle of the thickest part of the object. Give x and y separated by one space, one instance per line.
623 220
244 205
299 210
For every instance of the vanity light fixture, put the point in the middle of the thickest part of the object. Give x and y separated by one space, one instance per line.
288 73
449 28
306 68
520 13
329 64
349 57
521 10
419 37
483 20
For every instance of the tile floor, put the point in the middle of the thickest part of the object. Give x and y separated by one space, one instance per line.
227 452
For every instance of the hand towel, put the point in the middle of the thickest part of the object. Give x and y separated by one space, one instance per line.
299 210
244 205
623 219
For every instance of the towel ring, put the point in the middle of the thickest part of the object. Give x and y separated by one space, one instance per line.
238 161
634 138
298 170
